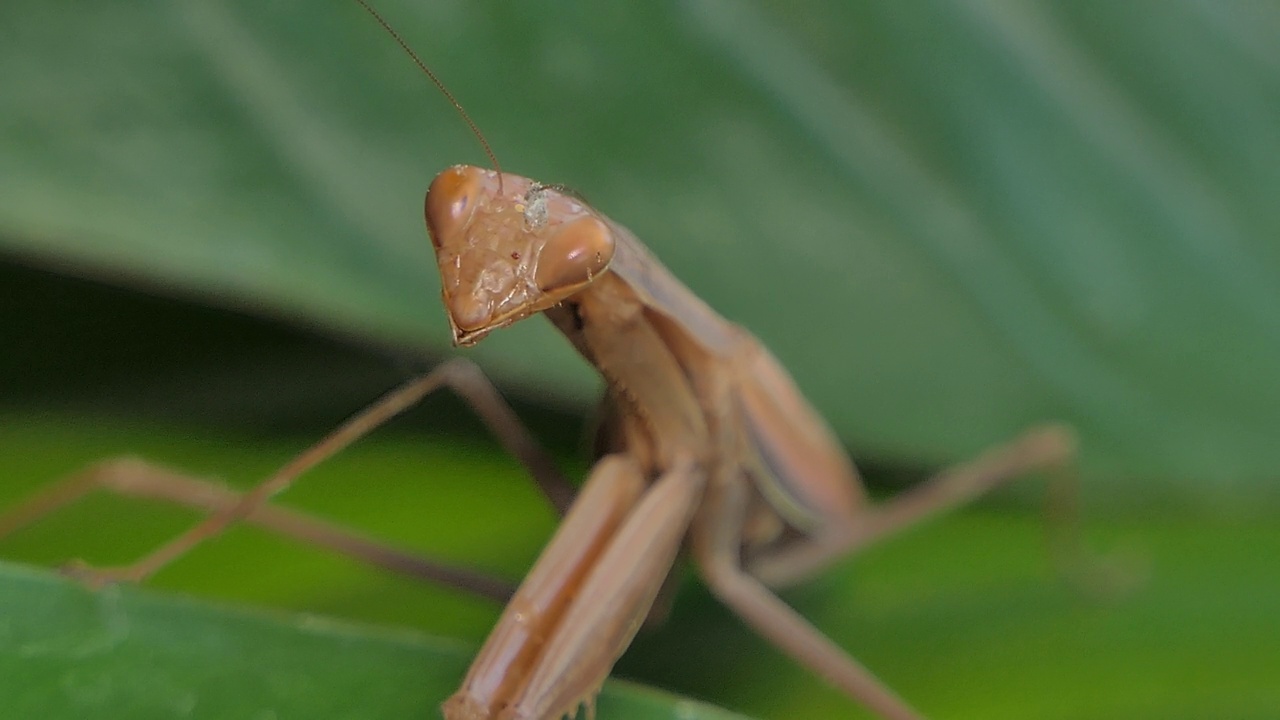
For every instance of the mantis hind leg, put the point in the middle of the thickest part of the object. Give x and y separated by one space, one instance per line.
1045 448
134 478
716 539
461 376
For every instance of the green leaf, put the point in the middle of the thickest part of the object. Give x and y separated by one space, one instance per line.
949 219
68 652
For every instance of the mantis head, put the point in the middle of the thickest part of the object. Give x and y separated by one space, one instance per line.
509 247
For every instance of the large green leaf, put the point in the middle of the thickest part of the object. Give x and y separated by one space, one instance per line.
949 218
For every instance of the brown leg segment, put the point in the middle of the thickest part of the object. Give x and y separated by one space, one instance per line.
1043 448
515 647
716 541
131 477
460 375
613 600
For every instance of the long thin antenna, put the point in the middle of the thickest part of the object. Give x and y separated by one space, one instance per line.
438 83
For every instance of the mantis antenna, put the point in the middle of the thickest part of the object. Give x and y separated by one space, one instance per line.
475 130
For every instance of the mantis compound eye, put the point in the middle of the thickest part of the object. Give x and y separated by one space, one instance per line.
572 257
450 201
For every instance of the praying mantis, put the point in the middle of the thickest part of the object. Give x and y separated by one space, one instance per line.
705 446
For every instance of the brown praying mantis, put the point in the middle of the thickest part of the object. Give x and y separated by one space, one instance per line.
705 446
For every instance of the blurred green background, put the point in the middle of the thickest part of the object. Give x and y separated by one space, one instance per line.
950 220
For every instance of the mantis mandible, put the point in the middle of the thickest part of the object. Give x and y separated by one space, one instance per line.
706 445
